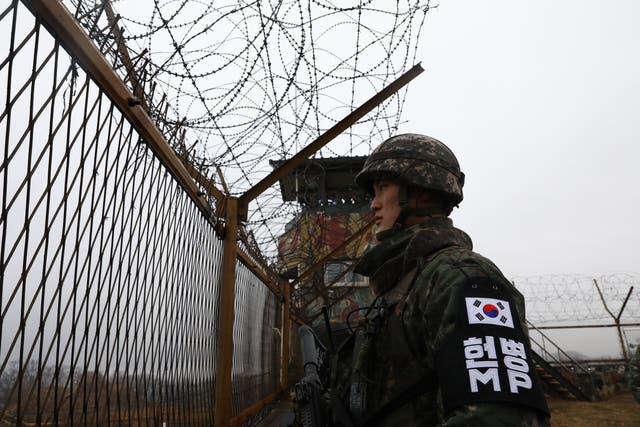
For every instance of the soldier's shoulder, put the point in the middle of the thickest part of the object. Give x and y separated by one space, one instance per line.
458 264
454 272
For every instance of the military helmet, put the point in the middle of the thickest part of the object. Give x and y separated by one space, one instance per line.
415 161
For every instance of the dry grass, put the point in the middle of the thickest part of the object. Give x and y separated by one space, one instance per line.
620 410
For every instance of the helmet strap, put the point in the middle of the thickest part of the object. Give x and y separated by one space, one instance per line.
403 196
406 211
403 201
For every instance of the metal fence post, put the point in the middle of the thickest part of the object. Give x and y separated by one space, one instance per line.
624 304
616 319
286 333
224 358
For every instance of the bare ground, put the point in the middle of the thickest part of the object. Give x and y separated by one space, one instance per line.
620 410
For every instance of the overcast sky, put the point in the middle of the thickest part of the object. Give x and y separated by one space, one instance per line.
540 101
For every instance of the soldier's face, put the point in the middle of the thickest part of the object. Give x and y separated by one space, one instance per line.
385 204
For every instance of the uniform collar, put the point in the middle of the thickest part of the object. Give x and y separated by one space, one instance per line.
398 251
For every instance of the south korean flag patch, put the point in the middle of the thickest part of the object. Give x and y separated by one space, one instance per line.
486 356
489 311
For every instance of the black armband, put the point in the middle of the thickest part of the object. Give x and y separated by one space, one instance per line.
487 358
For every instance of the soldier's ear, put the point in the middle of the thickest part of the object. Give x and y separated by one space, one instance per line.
420 198
435 201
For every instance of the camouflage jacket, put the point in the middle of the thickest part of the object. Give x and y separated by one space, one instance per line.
447 343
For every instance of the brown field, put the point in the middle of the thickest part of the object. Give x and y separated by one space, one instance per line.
620 410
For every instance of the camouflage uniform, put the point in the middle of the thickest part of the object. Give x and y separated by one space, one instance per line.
446 343
422 276
633 374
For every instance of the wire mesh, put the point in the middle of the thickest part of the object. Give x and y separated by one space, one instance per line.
256 341
108 292
109 280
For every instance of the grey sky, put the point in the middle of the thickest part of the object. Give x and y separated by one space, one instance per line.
541 103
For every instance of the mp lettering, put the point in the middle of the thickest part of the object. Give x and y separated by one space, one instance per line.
489 376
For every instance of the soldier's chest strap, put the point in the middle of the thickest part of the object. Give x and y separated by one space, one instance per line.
404 358
410 378
426 384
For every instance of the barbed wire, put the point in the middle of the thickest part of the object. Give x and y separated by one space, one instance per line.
245 82
578 299
234 84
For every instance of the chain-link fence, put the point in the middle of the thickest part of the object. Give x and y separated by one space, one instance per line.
110 265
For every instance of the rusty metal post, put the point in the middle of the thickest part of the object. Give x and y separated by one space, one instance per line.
224 358
615 319
288 166
286 333
124 54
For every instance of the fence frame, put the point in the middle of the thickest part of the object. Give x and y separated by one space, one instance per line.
55 17
63 26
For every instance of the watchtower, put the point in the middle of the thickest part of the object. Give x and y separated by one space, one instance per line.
333 210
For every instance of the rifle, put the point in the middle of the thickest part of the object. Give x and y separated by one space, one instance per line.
318 404
310 389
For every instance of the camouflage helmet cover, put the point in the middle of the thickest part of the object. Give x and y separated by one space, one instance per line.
417 161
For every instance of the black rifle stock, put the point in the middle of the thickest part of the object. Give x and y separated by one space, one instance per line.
309 389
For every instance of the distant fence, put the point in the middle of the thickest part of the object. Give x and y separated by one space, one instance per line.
111 267
594 317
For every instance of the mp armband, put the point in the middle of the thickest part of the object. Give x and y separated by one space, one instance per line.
487 358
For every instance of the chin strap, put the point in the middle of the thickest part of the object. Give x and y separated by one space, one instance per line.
406 212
